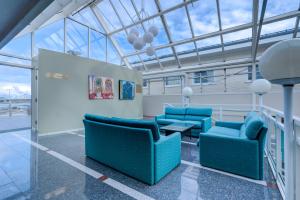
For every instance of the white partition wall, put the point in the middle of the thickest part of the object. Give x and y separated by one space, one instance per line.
62 102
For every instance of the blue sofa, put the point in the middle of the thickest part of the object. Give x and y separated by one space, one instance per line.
133 147
200 117
235 147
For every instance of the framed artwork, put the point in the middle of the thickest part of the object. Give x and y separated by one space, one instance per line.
126 90
100 87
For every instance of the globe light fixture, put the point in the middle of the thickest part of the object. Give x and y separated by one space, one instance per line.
154 30
187 92
134 31
260 87
131 38
139 43
150 51
148 37
280 65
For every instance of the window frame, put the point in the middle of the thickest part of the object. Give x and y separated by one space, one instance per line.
208 81
174 85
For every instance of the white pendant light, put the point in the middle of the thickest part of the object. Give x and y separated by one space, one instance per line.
139 43
150 51
154 30
131 38
148 37
134 31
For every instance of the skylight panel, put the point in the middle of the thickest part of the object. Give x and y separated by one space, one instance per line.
23 44
149 5
164 52
168 4
121 38
178 24
280 26
204 16
209 45
235 12
188 48
133 59
86 16
161 38
237 39
125 11
109 15
277 7
112 54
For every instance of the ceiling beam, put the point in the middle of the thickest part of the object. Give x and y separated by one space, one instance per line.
164 22
100 19
225 31
220 28
296 25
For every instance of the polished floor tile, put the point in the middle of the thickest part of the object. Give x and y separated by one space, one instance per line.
30 173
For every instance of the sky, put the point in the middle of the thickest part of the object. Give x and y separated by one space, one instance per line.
203 15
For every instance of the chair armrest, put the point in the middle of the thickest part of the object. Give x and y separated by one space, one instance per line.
159 117
206 124
167 153
234 125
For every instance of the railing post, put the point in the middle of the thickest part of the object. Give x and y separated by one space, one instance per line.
9 108
225 81
220 113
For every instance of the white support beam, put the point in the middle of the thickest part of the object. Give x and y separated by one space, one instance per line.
164 22
104 25
220 28
296 25
269 20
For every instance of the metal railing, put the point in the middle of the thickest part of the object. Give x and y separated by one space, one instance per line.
274 149
15 107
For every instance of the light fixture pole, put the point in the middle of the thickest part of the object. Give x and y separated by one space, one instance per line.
280 64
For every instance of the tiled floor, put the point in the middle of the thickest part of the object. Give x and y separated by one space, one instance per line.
29 172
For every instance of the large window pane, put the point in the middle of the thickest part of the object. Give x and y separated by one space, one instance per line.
77 38
20 46
50 37
15 95
204 16
235 13
109 15
277 7
97 46
112 54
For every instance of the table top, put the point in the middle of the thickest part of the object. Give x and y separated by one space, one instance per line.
180 127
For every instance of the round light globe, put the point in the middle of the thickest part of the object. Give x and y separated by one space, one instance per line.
139 43
260 86
154 30
187 91
150 51
131 38
280 63
134 31
148 37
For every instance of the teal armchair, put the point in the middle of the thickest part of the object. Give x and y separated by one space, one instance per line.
133 147
235 147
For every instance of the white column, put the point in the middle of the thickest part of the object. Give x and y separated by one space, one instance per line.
289 143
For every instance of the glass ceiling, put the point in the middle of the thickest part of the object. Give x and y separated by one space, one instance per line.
186 28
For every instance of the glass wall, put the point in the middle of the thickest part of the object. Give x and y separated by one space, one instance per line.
15 98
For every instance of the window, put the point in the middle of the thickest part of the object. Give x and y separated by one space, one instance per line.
145 83
172 81
204 77
258 74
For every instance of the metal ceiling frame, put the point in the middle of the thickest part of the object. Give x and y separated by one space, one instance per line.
269 20
165 25
220 29
100 19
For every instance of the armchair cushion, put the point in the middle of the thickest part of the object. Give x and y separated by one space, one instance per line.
194 117
197 124
179 117
175 111
199 111
223 131
252 128
234 125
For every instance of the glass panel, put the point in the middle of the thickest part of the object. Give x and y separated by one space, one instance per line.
16 60
109 15
161 38
121 38
188 48
209 45
278 26
15 98
172 81
168 4
204 16
86 16
97 46
50 37
145 57
149 6
276 7
234 14
77 38
164 52
112 54
125 10
133 59
237 39
20 46
178 24
203 77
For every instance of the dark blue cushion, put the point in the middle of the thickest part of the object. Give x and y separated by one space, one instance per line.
199 111
128 122
178 117
175 111
252 128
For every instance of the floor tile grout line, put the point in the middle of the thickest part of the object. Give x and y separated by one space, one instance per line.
108 181
224 173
